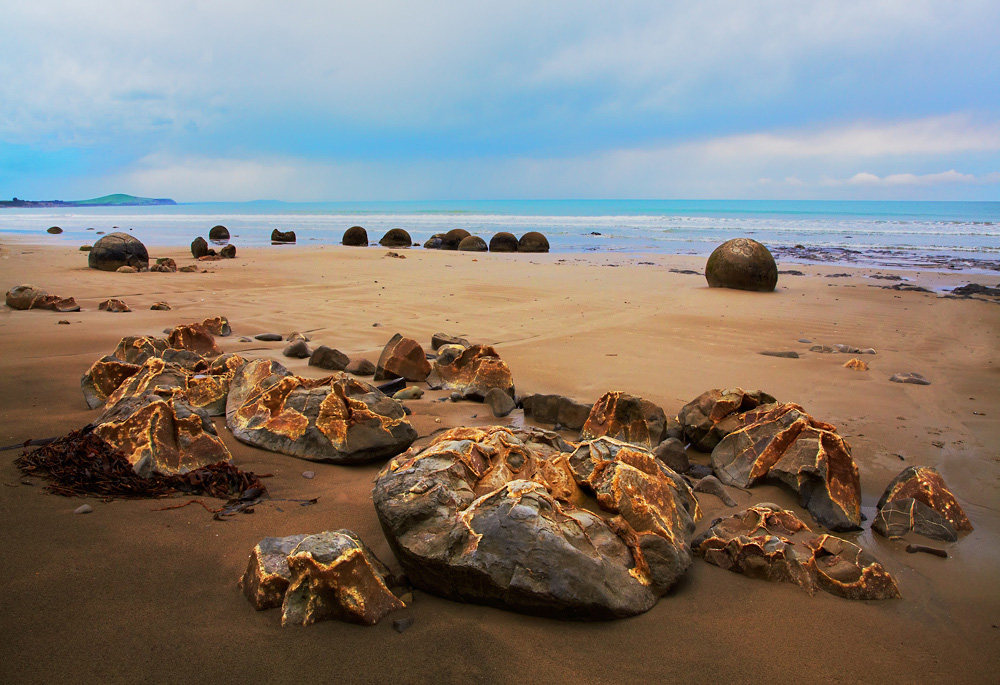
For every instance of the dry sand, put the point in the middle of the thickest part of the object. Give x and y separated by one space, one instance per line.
128 593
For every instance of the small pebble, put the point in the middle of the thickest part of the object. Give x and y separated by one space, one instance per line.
402 624
245 339
84 509
803 340
309 474
63 322
456 397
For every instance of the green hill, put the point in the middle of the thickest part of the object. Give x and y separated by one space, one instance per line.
120 199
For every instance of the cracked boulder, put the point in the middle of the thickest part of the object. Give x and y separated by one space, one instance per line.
473 373
206 389
104 377
266 578
194 337
28 297
556 409
768 543
162 432
628 418
783 443
507 518
336 419
715 414
218 325
116 250
919 500
402 358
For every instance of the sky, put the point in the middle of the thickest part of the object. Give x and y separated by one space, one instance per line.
394 100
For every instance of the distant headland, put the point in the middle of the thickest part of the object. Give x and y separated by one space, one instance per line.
116 200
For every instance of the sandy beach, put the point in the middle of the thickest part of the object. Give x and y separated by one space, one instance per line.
132 594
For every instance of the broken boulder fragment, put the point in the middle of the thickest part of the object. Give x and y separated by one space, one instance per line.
402 358
266 578
919 500
28 297
473 373
715 413
626 417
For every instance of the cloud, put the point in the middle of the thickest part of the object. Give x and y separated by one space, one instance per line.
944 177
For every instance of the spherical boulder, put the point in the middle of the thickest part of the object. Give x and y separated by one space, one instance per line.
199 247
355 236
218 233
395 237
435 242
473 243
53 230
118 249
503 242
533 241
452 238
742 264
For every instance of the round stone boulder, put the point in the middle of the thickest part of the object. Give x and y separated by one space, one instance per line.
473 243
355 236
53 230
395 237
742 264
503 242
453 238
116 250
199 247
218 233
533 241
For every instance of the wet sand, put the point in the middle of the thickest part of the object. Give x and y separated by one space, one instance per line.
128 593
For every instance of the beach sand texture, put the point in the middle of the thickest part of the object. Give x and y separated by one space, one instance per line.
131 594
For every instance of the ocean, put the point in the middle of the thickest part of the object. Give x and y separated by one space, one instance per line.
965 231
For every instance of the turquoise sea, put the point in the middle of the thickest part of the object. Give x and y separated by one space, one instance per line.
968 230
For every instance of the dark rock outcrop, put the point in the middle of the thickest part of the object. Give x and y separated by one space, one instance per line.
118 249
113 305
919 500
487 516
556 409
533 241
627 418
193 337
228 252
476 371
336 419
742 264
503 242
218 233
282 236
402 358
453 238
473 243
395 237
297 349
360 367
199 247
328 358
439 339
28 297
715 414
768 543
355 236
266 578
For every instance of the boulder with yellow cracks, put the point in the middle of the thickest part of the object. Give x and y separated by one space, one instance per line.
402 358
195 338
919 500
714 414
473 373
625 417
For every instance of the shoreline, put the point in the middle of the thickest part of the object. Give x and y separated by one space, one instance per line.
139 592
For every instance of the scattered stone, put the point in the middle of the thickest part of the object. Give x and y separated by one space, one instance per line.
54 230
499 401
435 242
473 243
918 499
282 236
164 265
244 339
394 255
297 349
337 419
476 371
823 349
912 549
439 339
713 486
556 409
841 275
856 365
686 272
228 252
218 233
395 237
847 349
625 417
266 579
533 241
781 442
402 358
63 322
28 297
308 475
785 354
975 289
410 393
455 397
83 509
742 264
401 625
446 354
698 471
791 272
714 414
769 543
471 513
328 358
914 378
672 453
211 257
204 387
452 239
867 350
360 367
503 242
190 269
268 337
886 277
118 249
199 247
355 236
218 325
113 305
804 340
127 270
86 248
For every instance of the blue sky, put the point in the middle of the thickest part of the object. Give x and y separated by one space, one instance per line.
387 100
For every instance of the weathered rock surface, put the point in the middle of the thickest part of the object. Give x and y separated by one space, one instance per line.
715 414
162 433
781 442
297 349
913 378
113 305
626 417
533 241
556 409
126 270
199 247
487 516
282 236
473 373
742 264
104 377
203 389
454 237
473 243
115 250
672 453
713 486
499 402
355 236
439 339
218 325
409 393
787 354
328 358
395 237
193 337
336 419
28 297
503 242
333 575
266 578
360 367
855 365
769 543
402 358
218 233
228 252
918 499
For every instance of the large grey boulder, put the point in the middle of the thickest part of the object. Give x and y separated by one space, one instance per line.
116 250
742 264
